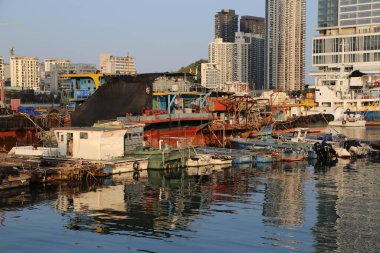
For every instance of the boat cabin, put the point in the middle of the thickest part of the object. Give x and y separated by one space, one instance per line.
94 143
299 135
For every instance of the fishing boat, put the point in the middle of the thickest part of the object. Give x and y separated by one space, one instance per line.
237 156
164 102
263 158
290 155
200 160
163 158
13 178
103 149
349 119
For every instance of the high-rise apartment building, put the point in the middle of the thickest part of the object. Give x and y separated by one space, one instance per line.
59 63
256 61
241 61
25 72
221 54
124 65
251 24
285 44
1 68
226 25
210 76
240 58
349 40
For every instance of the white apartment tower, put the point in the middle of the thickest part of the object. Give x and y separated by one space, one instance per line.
25 72
1 68
124 65
240 61
221 54
348 40
285 44
57 63
210 76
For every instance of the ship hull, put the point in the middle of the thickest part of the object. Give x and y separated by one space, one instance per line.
12 138
371 115
191 135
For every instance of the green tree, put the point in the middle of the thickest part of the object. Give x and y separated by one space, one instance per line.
194 68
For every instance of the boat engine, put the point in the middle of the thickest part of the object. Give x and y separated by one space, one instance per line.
325 152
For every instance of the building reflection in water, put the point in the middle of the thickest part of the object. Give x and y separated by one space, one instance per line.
284 195
168 200
162 204
348 218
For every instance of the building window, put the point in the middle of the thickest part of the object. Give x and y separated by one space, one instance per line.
83 135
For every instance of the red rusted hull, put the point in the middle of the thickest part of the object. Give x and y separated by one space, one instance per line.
190 135
9 139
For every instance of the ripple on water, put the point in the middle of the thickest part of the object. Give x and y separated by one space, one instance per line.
281 208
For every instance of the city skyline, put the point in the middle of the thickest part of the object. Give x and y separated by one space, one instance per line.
163 37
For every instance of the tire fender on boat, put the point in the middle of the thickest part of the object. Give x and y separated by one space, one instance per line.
136 166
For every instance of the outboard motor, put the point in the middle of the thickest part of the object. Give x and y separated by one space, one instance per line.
325 152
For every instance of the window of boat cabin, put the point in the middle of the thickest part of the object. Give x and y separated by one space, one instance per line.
83 135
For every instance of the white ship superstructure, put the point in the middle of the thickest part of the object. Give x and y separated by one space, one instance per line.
347 55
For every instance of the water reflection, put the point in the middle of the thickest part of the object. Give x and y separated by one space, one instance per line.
284 195
289 206
348 212
155 207
361 133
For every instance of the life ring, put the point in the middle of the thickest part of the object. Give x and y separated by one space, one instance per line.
136 166
348 110
344 122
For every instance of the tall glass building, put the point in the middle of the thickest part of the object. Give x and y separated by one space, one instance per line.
349 36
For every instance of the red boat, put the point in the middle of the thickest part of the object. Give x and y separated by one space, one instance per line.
188 126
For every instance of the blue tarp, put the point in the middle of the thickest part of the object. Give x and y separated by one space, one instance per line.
28 110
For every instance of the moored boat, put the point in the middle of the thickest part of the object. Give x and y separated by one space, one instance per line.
13 178
237 156
349 119
200 160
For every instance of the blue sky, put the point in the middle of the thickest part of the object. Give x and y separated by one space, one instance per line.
162 35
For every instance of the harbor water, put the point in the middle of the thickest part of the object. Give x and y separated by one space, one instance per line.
283 207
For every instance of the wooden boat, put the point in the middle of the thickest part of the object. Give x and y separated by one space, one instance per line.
290 155
263 158
13 178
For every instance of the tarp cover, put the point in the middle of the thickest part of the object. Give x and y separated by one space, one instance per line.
117 97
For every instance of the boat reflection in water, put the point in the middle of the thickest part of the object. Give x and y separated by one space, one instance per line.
153 206
272 207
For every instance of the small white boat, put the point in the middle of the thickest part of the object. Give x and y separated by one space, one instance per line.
343 123
124 166
349 119
208 160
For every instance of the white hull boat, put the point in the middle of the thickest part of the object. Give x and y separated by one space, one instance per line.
125 166
343 123
200 160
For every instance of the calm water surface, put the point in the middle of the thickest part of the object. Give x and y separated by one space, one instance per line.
290 207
